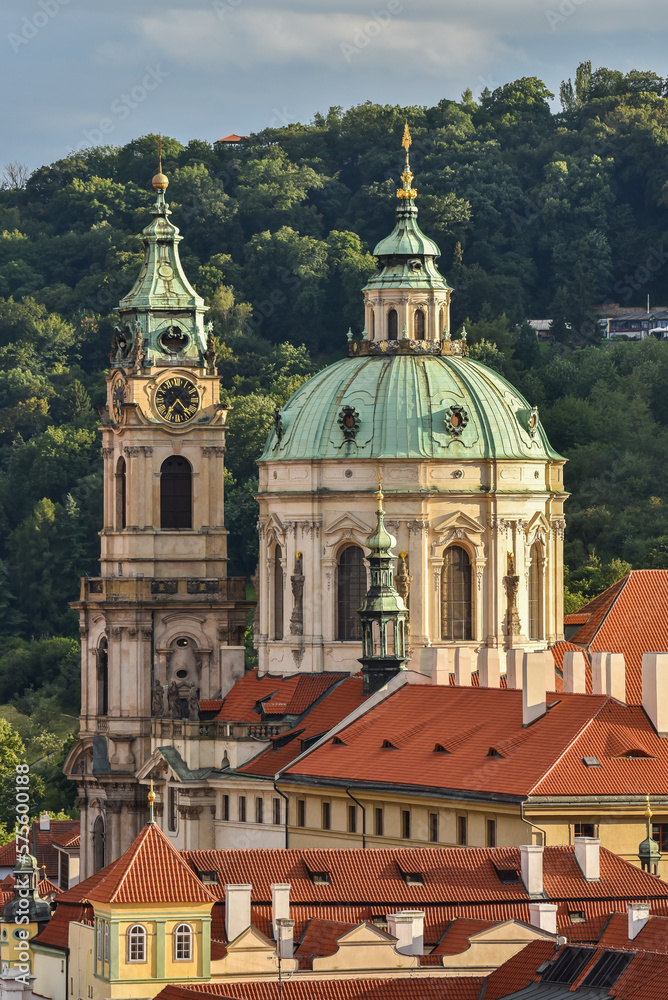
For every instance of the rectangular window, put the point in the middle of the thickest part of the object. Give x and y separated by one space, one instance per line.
491 833
259 810
462 831
171 809
99 939
584 830
352 819
326 816
277 811
406 824
659 833
226 807
433 828
63 870
242 808
301 812
106 941
378 821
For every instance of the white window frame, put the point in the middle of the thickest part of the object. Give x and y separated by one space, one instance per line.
183 934
137 935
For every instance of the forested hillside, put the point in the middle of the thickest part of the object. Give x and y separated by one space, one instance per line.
537 213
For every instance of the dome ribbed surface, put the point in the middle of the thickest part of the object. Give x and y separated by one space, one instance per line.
404 407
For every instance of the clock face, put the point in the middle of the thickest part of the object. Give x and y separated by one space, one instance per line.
177 400
118 399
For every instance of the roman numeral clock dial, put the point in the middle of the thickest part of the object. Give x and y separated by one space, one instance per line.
177 400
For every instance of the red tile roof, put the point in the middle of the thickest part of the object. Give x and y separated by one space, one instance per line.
211 704
232 137
320 937
395 987
417 718
577 618
45 887
8 854
631 617
653 936
68 838
150 871
456 937
338 703
290 695
518 971
41 844
56 934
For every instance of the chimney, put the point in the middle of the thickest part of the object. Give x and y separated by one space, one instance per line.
16 985
435 662
531 856
45 821
615 675
280 904
285 932
463 666
237 910
544 916
407 927
550 670
574 672
514 660
638 917
489 668
588 857
534 702
599 680
655 690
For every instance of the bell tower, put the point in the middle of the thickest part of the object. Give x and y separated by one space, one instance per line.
163 626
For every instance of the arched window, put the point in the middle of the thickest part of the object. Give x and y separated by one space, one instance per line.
121 494
103 678
350 591
441 322
176 494
456 602
183 943
278 593
98 844
392 324
137 943
418 321
107 948
372 324
535 594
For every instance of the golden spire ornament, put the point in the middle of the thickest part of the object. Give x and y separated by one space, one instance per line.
151 800
379 494
160 182
407 192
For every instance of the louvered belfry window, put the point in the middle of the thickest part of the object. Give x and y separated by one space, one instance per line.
456 597
176 494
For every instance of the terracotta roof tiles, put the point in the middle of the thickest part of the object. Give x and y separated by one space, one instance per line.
395 987
285 695
518 971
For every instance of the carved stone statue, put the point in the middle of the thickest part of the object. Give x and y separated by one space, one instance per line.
158 700
297 581
174 701
210 355
512 582
193 704
138 352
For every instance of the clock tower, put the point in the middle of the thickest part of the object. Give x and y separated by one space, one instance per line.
163 626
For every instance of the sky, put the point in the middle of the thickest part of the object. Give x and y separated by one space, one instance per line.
77 73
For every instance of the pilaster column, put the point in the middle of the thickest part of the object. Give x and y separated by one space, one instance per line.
109 514
160 947
150 517
132 501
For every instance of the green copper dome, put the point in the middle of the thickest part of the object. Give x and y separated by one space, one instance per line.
406 406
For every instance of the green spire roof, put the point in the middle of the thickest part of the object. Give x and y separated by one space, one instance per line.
162 307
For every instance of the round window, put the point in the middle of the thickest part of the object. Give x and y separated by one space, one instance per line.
181 673
181 642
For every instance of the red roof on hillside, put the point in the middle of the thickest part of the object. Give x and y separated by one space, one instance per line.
631 617
457 738
294 694
232 137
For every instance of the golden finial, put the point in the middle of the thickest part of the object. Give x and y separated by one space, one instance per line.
379 494
403 554
151 800
407 192
648 811
160 182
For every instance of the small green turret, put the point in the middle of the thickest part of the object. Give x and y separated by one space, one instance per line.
383 614
648 849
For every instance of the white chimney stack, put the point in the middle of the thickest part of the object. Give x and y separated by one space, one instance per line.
531 857
638 916
489 668
544 916
574 672
407 927
280 903
45 821
435 663
615 676
655 690
599 680
514 660
237 910
534 701
285 935
550 670
588 857
463 666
